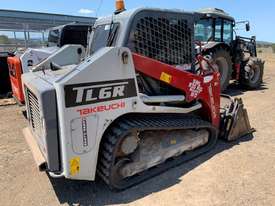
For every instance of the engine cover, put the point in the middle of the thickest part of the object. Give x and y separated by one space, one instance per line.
41 105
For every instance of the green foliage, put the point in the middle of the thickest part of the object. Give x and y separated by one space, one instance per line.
4 39
273 47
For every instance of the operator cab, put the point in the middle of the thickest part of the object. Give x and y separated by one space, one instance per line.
164 35
214 25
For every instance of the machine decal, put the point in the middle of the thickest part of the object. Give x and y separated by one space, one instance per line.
195 88
101 108
85 133
74 166
91 93
166 77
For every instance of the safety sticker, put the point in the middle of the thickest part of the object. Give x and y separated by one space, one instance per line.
74 166
166 77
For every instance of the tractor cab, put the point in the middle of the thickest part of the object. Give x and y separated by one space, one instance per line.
164 35
235 56
214 25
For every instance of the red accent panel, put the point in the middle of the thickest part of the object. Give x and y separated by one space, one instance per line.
15 70
195 87
238 71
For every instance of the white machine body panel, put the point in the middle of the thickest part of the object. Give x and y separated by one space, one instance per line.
32 57
90 96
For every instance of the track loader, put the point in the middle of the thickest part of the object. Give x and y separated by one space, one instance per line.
138 104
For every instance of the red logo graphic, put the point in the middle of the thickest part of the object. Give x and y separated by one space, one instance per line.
102 108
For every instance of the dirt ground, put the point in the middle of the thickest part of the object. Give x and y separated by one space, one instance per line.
239 173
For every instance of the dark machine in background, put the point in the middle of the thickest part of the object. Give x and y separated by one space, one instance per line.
69 34
235 56
5 85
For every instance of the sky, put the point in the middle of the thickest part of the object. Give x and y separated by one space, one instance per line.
260 13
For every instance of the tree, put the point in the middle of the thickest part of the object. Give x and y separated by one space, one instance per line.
273 47
4 39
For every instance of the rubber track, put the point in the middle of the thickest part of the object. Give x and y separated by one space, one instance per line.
120 129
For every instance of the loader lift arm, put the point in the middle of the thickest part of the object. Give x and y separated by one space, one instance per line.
229 116
205 89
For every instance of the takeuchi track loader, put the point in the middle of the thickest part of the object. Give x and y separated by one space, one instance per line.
138 104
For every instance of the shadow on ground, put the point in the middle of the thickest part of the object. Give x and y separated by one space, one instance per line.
236 89
97 193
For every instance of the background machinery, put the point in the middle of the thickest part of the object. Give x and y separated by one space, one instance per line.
134 107
5 85
235 56
19 63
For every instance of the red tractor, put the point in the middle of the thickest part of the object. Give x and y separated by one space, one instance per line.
236 58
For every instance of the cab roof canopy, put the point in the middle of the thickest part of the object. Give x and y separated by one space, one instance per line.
215 13
128 14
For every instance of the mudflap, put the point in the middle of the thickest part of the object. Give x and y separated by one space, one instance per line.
234 119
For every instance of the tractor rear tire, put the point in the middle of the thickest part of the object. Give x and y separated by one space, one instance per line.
223 60
254 78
